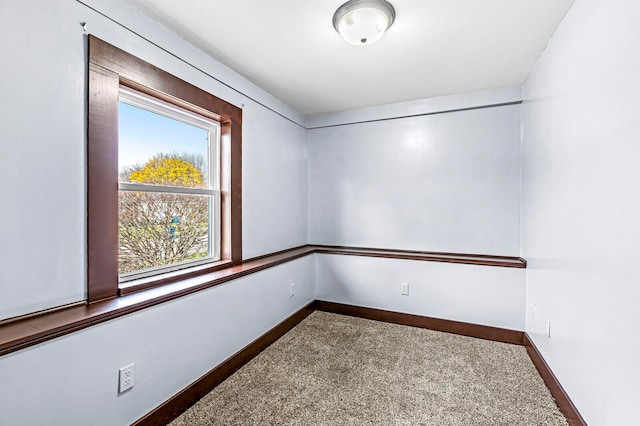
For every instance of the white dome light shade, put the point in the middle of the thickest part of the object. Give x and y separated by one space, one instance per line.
362 22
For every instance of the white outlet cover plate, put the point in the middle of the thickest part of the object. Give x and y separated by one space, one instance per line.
127 378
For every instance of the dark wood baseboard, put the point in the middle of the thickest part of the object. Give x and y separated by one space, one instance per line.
466 329
562 399
180 402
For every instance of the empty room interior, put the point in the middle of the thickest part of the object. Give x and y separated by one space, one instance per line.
203 199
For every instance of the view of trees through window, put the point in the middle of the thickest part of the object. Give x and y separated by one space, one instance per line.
156 228
165 197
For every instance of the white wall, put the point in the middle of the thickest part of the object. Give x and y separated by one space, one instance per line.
486 295
73 380
43 145
43 157
497 96
274 183
581 204
445 182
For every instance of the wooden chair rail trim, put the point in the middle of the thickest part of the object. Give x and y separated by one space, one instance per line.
469 259
22 332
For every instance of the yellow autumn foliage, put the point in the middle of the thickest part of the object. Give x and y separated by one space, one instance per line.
169 172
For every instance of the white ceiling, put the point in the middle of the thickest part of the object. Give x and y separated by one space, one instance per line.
434 48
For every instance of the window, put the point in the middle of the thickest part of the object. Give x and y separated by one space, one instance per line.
168 200
164 176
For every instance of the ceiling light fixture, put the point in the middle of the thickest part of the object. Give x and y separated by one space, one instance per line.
362 22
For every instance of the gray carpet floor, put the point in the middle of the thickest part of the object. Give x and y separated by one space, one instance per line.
338 370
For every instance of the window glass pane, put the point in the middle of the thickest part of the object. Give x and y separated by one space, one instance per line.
158 150
161 229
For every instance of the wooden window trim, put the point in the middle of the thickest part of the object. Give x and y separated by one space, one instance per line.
110 68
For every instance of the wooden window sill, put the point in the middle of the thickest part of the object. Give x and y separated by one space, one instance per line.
170 277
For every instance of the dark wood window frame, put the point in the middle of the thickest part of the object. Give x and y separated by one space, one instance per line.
109 69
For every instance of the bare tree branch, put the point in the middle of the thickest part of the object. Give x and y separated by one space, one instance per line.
158 229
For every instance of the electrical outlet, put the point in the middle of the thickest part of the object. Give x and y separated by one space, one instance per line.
404 289
292 290
534 310
127 377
